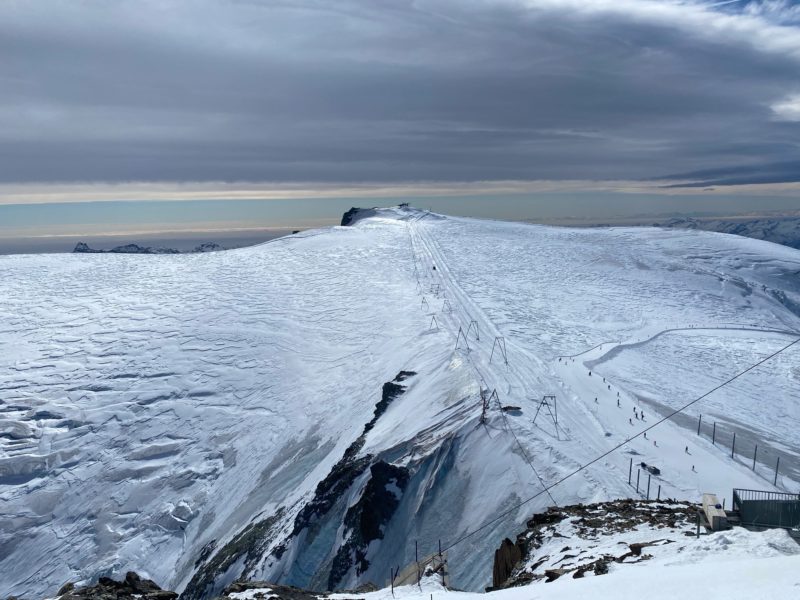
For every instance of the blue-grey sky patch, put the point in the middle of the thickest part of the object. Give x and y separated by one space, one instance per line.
399 91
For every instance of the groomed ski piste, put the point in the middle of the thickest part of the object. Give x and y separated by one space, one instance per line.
201 418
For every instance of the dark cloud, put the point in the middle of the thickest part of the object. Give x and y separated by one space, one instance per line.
780 172
395 91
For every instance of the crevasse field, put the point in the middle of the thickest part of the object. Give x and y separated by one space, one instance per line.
176 415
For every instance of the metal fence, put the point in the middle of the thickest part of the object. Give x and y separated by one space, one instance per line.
767 509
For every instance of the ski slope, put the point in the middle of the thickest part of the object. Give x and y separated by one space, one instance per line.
156 408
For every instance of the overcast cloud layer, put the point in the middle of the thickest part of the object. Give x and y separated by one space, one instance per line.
399 90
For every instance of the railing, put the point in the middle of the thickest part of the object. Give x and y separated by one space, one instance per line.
759 508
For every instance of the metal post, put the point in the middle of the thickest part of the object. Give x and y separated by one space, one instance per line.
648 485
419 571
698 523
659 492
714 434
777 462
699 420
733 444
555 411
755 453
638 472
441 563
630 470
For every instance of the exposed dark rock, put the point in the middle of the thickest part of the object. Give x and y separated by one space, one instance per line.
506 558
356 214
276 592
365 520
345 472
340 478
251 543
588 522
208 247
205 552
126 249
83 248
347 218
132 587
66 588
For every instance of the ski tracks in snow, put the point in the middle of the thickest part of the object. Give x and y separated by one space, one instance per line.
522 382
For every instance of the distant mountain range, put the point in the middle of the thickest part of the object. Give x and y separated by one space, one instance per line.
83 248
780 230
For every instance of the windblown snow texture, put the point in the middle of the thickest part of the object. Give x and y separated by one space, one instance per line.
195 418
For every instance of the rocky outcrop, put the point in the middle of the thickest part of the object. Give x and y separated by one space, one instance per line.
347 218
248 546
350 466
263 590
540 554
366 519
132 587
356 214
377 499
83 248
506 558
208 247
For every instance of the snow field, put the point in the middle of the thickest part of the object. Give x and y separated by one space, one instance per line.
155 404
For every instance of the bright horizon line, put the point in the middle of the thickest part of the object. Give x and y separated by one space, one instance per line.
70 193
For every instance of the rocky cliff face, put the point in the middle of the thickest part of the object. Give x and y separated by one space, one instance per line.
133 587
586 539
361 491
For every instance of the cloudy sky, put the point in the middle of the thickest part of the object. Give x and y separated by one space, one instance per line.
204 94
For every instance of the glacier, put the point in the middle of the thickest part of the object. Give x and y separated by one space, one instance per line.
202 418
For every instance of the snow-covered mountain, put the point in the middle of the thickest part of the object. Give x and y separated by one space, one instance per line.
307 412
781 230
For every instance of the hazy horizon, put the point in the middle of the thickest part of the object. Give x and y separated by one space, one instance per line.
182 224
